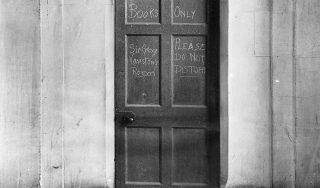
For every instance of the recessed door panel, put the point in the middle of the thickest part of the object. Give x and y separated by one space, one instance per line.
143 143
143 75
189 157
166 96
189 70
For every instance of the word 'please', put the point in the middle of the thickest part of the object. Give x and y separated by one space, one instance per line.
179 45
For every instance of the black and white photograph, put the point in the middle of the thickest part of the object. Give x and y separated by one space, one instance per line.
159 93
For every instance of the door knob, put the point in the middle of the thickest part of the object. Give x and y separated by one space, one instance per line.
129 119
125 117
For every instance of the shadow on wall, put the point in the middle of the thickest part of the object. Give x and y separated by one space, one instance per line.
94 186
248 186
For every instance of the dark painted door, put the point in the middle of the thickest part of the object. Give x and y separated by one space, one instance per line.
167 93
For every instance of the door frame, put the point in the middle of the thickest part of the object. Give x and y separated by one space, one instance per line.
110 92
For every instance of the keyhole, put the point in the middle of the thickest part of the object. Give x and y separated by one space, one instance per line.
144 94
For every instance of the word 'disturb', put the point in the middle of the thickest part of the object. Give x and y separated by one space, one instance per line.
190 70
134 11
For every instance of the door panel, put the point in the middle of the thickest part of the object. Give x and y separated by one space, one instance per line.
142 69
189 156
189 70
167 122
143 155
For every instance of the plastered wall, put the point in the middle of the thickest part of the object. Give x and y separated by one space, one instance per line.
56 114
307 76
249 159
20 93
273 93
75 65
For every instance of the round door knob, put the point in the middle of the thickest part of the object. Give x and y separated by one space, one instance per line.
130 120
125 117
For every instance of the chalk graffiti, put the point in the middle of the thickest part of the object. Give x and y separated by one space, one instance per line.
134 11
181 13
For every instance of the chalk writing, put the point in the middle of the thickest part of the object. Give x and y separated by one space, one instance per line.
180 13
197 58
189 11
178 45
142 11
135 12
142 55
189 56
142 58
142 73
144 49
143 61
189 70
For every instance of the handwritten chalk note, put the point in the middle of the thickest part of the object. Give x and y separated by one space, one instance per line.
143 69
189 11
142 11
189 70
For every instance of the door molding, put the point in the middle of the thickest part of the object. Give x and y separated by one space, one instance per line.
224 124
110 89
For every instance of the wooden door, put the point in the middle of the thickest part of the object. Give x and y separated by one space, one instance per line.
167 93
